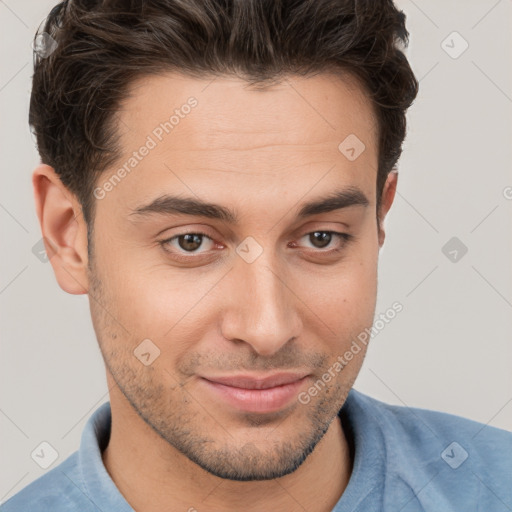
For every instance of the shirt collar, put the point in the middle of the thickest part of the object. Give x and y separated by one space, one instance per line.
100 488
366 445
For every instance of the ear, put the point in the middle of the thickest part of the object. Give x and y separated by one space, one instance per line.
64 230
388 195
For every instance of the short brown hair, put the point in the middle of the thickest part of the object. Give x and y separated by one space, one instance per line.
100 47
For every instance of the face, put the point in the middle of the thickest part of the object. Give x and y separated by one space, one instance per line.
255 284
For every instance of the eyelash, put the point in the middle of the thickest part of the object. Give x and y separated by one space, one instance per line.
344 237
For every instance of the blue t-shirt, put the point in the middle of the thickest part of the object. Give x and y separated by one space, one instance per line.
405 459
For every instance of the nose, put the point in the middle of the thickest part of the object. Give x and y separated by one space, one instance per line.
262 308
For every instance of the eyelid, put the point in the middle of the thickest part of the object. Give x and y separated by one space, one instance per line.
343 239
191 232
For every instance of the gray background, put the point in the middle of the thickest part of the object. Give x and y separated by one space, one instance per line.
449 349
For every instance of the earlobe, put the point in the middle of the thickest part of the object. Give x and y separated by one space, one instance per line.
388 195
63 228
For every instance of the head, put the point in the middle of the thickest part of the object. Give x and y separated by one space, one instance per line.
215 175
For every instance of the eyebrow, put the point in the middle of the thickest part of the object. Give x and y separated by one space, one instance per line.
172 205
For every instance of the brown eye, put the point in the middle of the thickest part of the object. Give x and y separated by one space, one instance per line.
320 239
325 241
190 241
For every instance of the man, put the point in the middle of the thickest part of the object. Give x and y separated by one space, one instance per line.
215 176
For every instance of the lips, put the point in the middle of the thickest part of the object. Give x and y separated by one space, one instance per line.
247 382
266 394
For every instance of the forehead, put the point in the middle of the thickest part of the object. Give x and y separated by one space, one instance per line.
295 110
208 133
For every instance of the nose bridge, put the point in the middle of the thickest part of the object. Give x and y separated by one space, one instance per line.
262 312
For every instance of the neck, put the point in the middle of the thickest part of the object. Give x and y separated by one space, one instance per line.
155 468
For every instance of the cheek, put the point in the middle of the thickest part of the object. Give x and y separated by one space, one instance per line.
155 300
170 307
144 291
344 296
